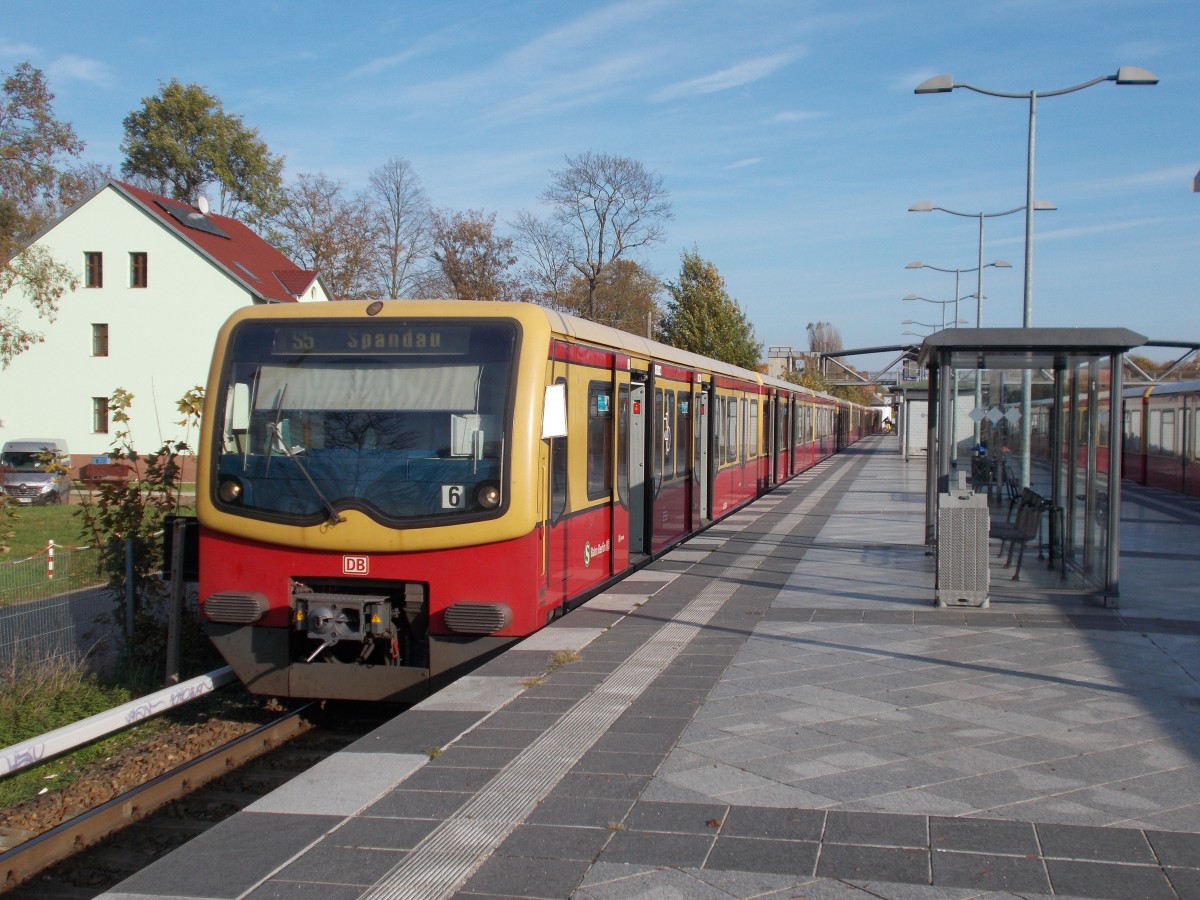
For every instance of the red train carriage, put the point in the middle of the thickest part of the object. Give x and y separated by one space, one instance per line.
1162 436
388 493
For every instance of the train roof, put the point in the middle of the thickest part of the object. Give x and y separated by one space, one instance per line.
560 322
1163 388
587 330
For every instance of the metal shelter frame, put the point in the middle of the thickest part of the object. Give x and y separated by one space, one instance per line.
1084 435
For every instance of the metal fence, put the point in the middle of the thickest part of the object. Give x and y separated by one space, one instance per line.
53 605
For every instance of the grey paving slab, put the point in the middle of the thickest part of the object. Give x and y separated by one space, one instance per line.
1108 881
826 733
226 859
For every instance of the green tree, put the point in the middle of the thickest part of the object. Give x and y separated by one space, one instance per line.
626 297
703 318
34 149
182 140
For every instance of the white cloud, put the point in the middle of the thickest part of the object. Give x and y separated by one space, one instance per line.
10 50
742 163
735 76
794 115
907 82
79 68
1056 234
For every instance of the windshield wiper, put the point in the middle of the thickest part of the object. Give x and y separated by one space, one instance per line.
334 518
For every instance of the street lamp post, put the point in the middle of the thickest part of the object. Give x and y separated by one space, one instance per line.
928 206
998 264
944 84
944 303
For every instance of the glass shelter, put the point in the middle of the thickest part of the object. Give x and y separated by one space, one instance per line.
1042 422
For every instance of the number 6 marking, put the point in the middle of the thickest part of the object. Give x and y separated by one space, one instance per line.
453 496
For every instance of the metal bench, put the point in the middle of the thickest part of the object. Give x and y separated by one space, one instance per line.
1025 527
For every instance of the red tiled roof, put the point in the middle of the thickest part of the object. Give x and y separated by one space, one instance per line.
235 248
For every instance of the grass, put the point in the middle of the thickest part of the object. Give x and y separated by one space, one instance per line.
35 526
37 699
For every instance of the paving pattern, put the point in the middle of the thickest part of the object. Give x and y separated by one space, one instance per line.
776 709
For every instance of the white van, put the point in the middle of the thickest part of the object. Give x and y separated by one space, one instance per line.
25 477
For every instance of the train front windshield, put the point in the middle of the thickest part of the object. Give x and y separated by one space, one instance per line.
404 421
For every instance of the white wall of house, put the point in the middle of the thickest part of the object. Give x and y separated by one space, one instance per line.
160 338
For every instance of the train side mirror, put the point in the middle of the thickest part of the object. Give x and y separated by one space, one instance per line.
554 412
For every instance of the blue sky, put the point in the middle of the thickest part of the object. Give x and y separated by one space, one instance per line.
786 131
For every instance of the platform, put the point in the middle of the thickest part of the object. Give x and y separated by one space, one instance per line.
777 708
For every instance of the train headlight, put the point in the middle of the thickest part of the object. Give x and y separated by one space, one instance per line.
488 496
230 490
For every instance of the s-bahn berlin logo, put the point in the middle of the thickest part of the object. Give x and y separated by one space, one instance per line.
589 551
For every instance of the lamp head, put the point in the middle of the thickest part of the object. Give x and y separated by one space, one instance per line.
915 264
938 84
923 206
1134 75
1043 204
1002 264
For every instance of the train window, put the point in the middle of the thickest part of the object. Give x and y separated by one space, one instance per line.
683 436
404 421
558 476
1160 436
660 427
599 440
1133 430
732 443
1195 450
719 429
623 445
754 427
1167 442
668 414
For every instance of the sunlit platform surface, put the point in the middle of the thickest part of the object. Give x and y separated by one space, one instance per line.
778 709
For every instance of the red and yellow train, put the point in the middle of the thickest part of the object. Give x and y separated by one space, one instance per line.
390 492
1162 436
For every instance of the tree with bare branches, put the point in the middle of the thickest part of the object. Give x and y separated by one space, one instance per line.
322 228
607 206
547 274
405 223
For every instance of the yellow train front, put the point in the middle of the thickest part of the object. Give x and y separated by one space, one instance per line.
389 493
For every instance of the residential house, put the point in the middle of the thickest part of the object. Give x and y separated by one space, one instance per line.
157 278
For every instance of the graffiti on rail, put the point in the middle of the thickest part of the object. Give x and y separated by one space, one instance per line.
156 703
22 756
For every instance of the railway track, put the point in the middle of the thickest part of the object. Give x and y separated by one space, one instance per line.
89 854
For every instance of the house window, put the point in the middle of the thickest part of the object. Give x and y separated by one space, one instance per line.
100 339
138 277
93 270
100 415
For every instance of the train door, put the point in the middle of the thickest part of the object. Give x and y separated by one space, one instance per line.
701 473
554 528
633 450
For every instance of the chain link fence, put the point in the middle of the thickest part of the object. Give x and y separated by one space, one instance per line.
55 605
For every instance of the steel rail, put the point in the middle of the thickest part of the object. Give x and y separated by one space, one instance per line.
29 858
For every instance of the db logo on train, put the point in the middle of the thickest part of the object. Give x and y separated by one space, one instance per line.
355 565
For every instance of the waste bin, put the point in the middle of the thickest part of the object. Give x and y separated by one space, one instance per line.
962 549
